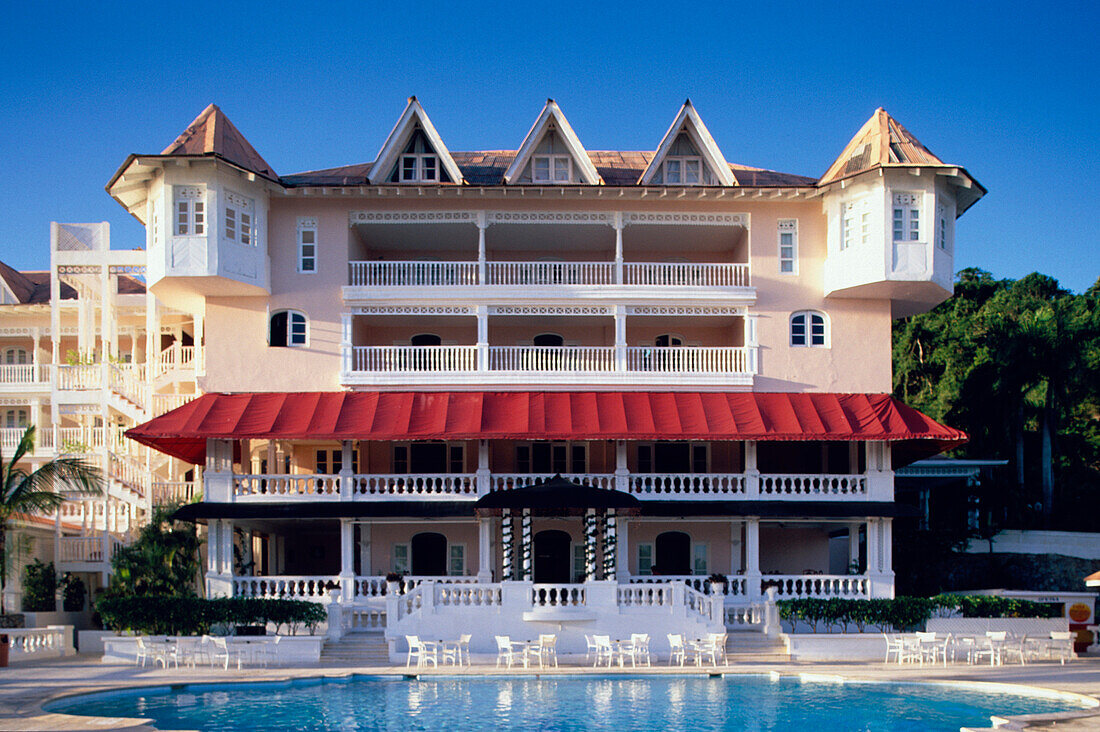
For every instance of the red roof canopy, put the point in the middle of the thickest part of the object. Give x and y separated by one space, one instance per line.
565 415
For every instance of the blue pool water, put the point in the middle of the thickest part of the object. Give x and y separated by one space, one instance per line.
560 703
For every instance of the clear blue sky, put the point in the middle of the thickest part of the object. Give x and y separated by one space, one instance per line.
1008 91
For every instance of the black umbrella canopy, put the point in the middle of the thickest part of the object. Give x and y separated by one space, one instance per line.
557 496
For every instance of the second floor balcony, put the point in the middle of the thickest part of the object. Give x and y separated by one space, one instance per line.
376 365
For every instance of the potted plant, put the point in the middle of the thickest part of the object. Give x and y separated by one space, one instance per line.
718 583
393 583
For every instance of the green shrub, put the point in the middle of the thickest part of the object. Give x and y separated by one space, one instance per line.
163 615
39 587
73 593
905 613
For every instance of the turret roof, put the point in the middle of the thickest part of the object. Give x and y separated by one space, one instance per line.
211 133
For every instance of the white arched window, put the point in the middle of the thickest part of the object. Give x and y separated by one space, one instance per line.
288 328
15 419
809 328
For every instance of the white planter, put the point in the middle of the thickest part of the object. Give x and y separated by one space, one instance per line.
835 646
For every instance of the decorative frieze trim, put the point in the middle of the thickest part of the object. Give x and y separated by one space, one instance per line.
127 269
79 409
415 310
606 218
74 269
15 402
684 310
688 219
412 217
551 310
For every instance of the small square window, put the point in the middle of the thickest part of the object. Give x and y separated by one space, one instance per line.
408 168
691 171
673 171
540 170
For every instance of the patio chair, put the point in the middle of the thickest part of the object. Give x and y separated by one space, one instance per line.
930 649
505 651
895 646
676 646
704 648
604 649
142 652
1061 645
719 641
267 651
220 650
424 653
639 643
1015 648
993 648
548 650
590 650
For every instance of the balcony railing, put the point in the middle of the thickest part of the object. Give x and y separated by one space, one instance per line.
24 373
427 360
527 274
87 549
279 488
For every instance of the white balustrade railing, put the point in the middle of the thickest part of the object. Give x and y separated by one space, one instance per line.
547 595
80 377
467 594
412 274
24 373
551 273
645 594
686 486
399 359
510 481
129 472
707 608
422 486
87 548
166 492
697 582
744 616
128 381
363 619
176 356
689 359
313 587
269 487
42 642
685 274
163 403
817 585
410 602
813 487
552 358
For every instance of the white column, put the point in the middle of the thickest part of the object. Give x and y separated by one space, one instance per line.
347 471
590 544
752 557
527 550
620 338
752 474
853 543
484 549
152 333
622 567
507 546
347 559
105 340
225 551
365 539
622 473
482 267
610 547
618 224
482 338
200 343
735 546
213 546
55 304
484 476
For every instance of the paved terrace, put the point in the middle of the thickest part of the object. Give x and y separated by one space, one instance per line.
26 686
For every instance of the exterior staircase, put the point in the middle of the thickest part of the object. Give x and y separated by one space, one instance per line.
752 646
357 649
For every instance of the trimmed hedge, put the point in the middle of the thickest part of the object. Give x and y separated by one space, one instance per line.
905 613
165 615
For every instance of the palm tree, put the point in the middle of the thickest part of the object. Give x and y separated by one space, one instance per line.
37 491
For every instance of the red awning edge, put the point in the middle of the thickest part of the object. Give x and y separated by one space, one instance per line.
567 415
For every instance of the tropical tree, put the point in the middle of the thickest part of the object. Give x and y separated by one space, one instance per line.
39 491
163 560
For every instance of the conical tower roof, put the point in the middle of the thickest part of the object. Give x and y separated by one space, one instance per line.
211 133
882 141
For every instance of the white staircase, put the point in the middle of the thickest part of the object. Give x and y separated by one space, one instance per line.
752 646
356 649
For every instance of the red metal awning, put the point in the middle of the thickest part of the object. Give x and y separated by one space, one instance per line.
565 415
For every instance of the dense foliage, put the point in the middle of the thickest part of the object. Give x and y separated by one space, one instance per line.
904 613
1015 363
163 560
73 593
39 587
153 615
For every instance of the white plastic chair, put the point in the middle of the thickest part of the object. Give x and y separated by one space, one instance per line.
423 652
639 646
590 650
221 650
677 650
505 652
604 649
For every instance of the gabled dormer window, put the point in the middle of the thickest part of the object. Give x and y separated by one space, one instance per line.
685 170
420 168
551 169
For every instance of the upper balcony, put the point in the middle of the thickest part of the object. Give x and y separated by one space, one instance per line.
519 255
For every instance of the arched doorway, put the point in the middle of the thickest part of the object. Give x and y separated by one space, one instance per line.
552 560
552 340
429 554
672 553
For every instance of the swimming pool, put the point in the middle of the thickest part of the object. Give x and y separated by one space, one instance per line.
740 702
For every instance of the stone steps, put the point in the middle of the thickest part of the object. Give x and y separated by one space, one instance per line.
357 649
